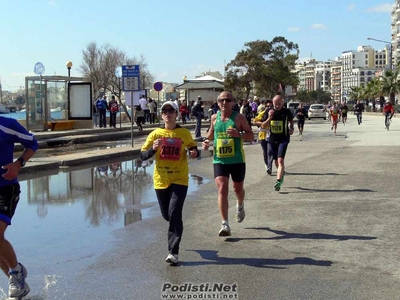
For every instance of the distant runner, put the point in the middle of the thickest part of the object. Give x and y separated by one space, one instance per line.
334 112
358 109
280 120
300 114
343 111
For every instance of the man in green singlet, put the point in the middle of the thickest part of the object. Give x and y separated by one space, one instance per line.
228 130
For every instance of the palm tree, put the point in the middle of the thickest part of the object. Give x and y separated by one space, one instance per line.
376 87
390 83
355 93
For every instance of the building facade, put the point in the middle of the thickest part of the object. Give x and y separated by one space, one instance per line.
395 24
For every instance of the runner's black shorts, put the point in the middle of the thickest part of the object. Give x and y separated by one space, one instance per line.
9 197
300 123
279 149
237 171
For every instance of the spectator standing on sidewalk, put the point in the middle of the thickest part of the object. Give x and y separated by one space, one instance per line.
183 109
139 117
169 146
95 114
12 132
101 105
114 109
254 106
228 129
198 113
152 108
143 105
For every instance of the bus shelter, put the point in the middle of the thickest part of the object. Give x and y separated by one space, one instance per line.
58 103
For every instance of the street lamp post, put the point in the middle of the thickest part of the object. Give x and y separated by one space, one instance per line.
391 50
69 66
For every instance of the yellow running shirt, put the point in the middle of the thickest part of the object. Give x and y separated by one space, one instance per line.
171 164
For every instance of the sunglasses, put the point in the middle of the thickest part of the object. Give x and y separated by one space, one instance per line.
168 110
224 99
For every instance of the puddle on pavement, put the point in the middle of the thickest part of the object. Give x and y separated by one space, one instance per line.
83 206
70 148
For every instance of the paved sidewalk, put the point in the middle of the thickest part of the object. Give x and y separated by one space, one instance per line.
332 232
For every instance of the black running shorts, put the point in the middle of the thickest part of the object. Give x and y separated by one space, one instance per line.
9 197
237 171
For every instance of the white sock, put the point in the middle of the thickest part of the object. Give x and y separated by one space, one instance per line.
239 207
17 268
226 222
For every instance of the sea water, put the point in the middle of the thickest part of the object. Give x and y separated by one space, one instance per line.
21 115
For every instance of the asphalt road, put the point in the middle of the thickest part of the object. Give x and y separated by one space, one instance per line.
332 232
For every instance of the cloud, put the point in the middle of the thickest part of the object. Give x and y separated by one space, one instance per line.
319 26
294 29
351 7
52 3
387 7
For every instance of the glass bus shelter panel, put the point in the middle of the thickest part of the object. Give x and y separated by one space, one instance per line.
57 99
35 104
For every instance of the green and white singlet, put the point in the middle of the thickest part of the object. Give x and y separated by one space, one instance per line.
227 149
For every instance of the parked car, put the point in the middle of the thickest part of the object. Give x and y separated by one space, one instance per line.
317 111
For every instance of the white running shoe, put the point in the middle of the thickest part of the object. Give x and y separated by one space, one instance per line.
225 230
18 288
172 258
240 214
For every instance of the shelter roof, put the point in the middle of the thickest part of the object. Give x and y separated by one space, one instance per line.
207 77
200 85
204 82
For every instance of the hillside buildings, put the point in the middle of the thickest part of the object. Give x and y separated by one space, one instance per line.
354 68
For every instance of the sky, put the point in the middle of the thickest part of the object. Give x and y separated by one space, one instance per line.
178 38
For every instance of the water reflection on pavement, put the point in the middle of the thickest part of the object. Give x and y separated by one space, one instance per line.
68 218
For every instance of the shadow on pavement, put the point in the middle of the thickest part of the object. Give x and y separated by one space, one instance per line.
317 174
291 235
212 258
329 191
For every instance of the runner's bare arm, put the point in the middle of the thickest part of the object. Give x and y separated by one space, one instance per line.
243 126
210 133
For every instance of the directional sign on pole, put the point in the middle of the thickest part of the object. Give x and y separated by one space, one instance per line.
130 78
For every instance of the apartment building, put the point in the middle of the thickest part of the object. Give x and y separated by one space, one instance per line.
322 76
395 25
310 75
300 70
336 80
352 62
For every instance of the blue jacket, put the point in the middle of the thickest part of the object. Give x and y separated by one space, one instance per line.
12 132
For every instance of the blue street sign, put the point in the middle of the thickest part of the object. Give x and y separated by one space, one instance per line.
130 78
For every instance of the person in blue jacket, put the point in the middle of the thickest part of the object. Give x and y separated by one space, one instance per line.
12 132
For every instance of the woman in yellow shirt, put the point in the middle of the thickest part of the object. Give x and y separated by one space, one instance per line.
171 172
263 137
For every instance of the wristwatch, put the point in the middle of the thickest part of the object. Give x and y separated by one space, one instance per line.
21 161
